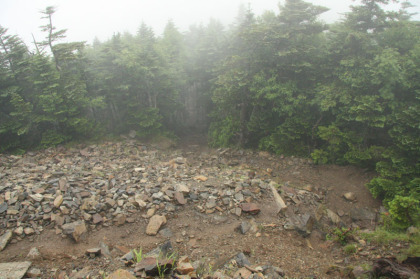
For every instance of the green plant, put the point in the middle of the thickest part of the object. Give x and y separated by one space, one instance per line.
350 249
385 237
341 235
164 269
138 255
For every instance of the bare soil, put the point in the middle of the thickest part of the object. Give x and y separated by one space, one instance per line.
213 238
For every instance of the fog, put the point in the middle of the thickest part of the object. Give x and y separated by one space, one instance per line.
86 20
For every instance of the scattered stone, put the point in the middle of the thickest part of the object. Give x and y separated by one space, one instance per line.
15 270
34 254
182 188
241 260
93 252
37 197
120 219
179 196
34 273
244 227
3 207
18 231
251 208
154 224
29 231
121 274
350 196
201 178
333 217
184 266
58 201
97 218
76 230
151 266
243 273
4 239
302 224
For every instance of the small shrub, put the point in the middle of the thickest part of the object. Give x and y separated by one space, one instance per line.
350 249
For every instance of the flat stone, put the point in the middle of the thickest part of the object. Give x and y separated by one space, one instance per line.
121 274
179 196
3 207
154 224
15 270
182 188
244 227
241 260
37 197
4 239
58 201
251 208
201 178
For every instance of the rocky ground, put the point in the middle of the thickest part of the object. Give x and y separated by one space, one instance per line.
80 212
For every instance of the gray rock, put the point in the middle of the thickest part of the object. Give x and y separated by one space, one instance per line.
3 207
15 270
4 239
244 227
34 254
76 230
241 260
362 214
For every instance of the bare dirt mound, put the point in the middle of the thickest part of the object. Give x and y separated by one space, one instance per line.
115 187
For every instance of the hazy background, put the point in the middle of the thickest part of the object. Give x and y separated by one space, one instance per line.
87 19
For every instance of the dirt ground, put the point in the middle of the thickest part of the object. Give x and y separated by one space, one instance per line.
214 238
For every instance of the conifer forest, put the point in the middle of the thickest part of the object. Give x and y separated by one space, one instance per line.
284 81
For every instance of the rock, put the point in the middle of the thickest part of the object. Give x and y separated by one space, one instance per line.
34 273
350 196
34 254
251 208
272 272
211 203
76 230
121 274
244 227
37 197
120 219
4 239
151 266
302 224
362 214
241 260
154 224
97 218
333 217
412 231
29 231
18 231
184 266
93 252
150 212
179 196
161 251
242 273
3 207
201 178
15 270
58 201
180 187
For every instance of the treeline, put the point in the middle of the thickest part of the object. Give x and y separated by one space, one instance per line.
286 82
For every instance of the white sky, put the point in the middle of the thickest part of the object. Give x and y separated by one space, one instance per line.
85 19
